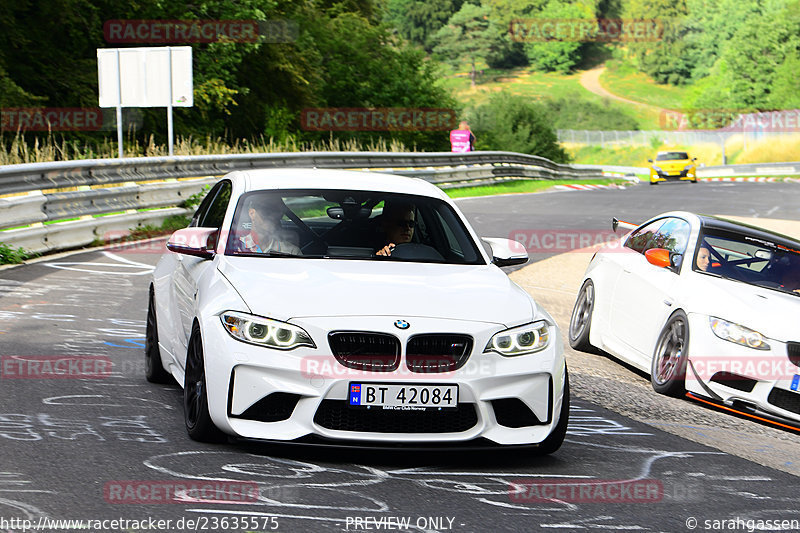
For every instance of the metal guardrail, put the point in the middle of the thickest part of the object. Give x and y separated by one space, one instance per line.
61 174
753 169
126 192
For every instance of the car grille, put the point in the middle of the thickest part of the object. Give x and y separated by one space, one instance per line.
338 415
734 381
437 352
784 399
793 349
375 352
273 408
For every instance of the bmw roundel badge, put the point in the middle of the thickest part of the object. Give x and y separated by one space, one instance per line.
401 324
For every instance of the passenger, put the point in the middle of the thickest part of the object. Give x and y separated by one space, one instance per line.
397 223
791 280
264 236
703 258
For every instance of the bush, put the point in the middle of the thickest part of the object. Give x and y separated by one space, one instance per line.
573 112
11 256
515 124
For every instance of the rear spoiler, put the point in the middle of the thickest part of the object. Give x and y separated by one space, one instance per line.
616 223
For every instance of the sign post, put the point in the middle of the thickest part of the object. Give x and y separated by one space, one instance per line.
145 77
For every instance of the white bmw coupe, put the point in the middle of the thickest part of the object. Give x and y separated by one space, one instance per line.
704 305
342 306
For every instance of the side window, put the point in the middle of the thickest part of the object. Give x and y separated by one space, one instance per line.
216 209
640 238
200 214
673 235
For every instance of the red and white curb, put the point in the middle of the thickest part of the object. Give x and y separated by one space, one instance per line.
758 179
575 186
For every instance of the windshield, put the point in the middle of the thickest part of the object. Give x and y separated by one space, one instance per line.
749 259
346 224
672 156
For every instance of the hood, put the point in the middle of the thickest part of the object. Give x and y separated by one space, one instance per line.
285 288
772 313
673 165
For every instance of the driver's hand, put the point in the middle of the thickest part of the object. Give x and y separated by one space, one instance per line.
386 250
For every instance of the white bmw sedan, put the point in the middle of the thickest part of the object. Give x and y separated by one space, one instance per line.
334 306
704 305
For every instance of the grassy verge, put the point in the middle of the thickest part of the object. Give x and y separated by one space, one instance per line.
768 150
11 256
522 186
537 86
624 81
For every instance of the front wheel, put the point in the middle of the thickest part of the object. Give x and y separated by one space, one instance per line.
195 397
153 369
668 369
555 439
581 320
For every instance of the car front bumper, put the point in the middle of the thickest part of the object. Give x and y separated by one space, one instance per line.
733 374
261 393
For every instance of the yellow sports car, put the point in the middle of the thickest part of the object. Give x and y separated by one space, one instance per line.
673 166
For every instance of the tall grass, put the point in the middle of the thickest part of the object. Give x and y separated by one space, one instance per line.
784 148
15 150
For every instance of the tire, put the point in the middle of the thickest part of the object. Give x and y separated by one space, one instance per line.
153 369
668 368
581 320
195 398
653 182
555 439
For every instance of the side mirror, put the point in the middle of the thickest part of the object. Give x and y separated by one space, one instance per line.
506 252
198 242
694 159
649 160
658 257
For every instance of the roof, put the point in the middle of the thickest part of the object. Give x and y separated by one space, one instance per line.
312 178
723 224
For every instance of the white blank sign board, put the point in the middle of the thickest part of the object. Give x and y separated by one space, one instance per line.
144 76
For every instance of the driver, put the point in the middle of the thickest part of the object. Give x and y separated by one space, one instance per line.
398 223
265 216
703 259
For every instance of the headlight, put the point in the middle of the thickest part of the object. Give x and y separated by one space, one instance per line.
687 167
657 169
264 331
739 334
521 340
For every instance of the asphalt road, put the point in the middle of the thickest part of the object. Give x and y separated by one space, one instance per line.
113 446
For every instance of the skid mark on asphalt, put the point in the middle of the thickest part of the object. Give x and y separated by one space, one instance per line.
286 485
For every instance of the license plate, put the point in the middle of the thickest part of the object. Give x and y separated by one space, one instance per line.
403 397
795 382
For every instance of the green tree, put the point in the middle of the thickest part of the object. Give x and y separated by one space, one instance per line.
559 55
419 20
663 59
515 124
466 37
